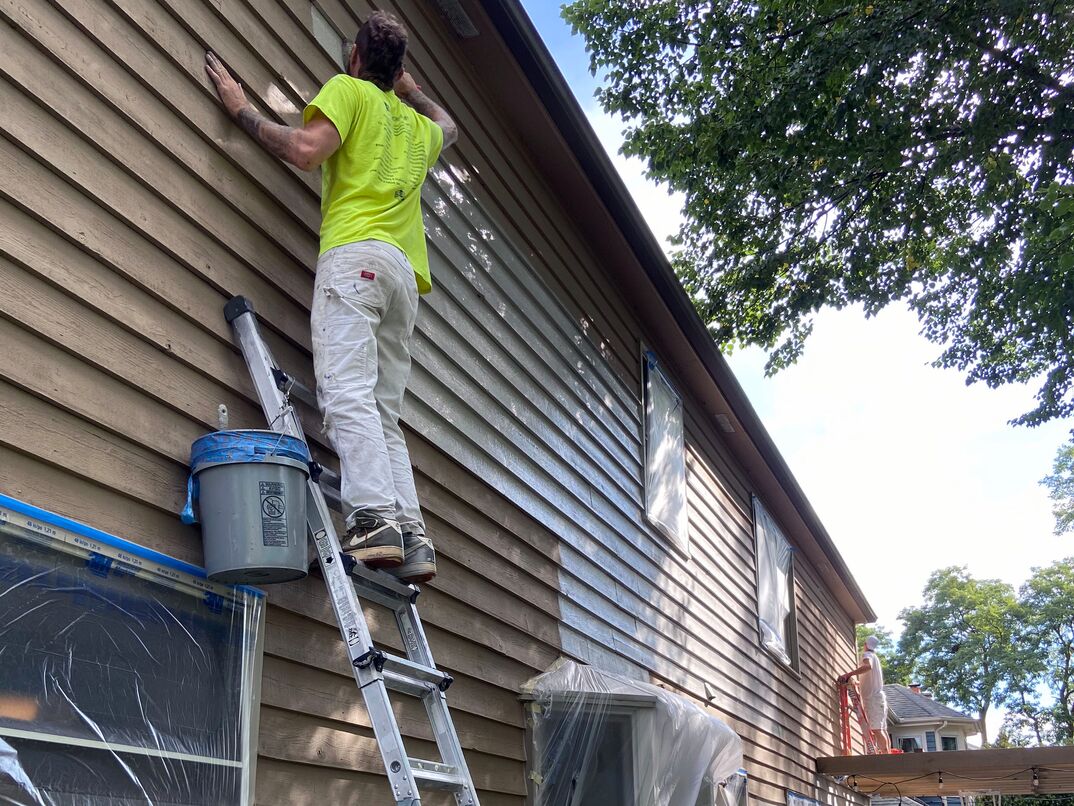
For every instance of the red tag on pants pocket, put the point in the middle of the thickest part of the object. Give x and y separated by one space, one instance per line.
368 275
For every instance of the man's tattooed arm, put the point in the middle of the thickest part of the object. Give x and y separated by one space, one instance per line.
276 139
410 94
305 148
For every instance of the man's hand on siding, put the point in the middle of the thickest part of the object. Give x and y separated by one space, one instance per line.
305 148
229 90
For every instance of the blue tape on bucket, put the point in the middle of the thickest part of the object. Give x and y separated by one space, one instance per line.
244 447
237 447
187 515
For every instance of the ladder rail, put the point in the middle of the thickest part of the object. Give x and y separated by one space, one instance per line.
849 690
417 650
374 671
353 629
844 720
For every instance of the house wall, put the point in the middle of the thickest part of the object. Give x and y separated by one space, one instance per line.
940 728
131 210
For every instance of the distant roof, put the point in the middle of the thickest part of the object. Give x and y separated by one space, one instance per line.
904 704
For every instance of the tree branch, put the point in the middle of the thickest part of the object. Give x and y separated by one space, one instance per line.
1025 70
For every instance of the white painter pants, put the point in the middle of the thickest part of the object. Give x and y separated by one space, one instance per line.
365 303
876 709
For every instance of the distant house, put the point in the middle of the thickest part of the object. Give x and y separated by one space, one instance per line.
918 723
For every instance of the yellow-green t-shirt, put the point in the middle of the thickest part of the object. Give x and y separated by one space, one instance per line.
371 185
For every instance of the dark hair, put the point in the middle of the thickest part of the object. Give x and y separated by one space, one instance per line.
381 44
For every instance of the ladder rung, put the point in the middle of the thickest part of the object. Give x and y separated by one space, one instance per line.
416 672
378 586
407 685
434 775
329 479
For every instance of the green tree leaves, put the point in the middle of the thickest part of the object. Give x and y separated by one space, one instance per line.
1047 601
1060 484
835 153
978 645
959 641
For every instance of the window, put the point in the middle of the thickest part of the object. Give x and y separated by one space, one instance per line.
126 676
949 743
735 791
599 739
909 744
930 741
775 587
593 749
665 456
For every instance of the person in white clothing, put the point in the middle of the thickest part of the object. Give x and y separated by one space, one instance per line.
872 693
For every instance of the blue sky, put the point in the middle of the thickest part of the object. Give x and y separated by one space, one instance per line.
909 469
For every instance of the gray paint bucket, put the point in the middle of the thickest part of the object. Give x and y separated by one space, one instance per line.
250 488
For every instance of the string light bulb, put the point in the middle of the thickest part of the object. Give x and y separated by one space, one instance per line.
1036 779
939 781
854 783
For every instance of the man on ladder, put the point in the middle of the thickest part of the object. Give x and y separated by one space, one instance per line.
376 135
872 692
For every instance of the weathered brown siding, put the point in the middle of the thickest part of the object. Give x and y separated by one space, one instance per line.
131 210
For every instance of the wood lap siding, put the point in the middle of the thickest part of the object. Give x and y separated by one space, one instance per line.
125 226
130 210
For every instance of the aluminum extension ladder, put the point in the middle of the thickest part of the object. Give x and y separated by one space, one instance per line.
849 691
374 671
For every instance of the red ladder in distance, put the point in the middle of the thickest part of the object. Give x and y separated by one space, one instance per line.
849 698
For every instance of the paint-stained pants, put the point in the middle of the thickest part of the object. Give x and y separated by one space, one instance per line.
365 303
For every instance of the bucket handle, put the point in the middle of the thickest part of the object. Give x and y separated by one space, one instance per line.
275 448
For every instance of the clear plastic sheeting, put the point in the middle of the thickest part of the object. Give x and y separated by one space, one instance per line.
600 739
125 676
733 792
774 556
665 455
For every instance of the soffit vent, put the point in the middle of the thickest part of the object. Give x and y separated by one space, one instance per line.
459 19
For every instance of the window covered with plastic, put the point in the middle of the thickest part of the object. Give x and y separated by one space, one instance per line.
600 739
798 799
665 455
734 791
775 602
125 676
